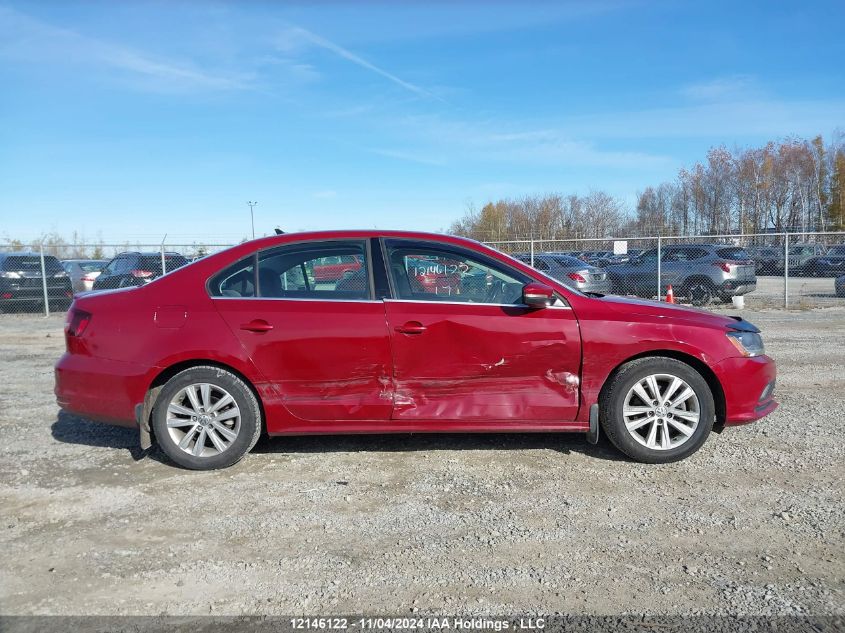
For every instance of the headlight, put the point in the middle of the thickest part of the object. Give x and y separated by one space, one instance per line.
10 275
748 343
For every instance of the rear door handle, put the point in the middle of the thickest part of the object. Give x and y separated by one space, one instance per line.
257 325
411 327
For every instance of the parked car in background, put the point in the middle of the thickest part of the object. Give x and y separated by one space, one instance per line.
83 272
801 257
335 267
203 363
699 272
136 269
839 286
831 264
768 260
569 270
22 284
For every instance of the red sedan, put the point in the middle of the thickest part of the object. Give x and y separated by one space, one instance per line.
204 358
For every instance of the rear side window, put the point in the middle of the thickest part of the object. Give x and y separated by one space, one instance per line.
684 254
732 252
90 267
335 270
237 280
565 260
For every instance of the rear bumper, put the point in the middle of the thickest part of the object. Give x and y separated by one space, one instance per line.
100 389
749 385
602 287
33 290
735 287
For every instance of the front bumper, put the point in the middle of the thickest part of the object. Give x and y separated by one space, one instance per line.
749 385
100 389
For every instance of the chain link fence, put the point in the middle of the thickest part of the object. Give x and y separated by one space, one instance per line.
761 270
45 277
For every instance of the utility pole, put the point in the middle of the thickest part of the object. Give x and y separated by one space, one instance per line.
252 216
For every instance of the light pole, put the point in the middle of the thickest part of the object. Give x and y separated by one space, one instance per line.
252 216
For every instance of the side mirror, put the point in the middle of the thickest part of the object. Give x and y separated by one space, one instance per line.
536 295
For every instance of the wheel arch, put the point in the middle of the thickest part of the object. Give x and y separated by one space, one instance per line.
161 378
697 364
698 277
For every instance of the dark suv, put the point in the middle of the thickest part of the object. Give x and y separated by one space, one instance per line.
136 269
21 283
699 272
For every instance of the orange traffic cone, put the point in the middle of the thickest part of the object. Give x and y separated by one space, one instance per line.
670 295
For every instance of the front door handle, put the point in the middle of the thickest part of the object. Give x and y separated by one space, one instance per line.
257 325
411 327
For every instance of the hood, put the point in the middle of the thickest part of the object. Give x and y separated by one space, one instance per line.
694 316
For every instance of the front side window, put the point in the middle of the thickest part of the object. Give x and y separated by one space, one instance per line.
425 272
323 270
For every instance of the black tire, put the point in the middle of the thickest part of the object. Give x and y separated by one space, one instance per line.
250 417
699 291
612 402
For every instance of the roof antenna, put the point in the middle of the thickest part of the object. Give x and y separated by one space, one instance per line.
279 231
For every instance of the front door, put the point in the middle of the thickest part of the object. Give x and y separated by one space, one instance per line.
464 346
321 342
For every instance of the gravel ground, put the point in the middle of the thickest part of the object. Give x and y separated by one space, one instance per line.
752 524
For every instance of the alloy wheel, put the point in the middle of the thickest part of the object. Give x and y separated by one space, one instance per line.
661 412
203 419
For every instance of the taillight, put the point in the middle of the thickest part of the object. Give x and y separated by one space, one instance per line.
78 321
143 274
7 295
723 265
577 277
88 278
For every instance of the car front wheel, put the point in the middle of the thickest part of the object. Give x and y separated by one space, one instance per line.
657 410
206 418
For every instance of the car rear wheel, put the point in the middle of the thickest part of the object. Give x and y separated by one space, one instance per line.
700 291
206 418
657 410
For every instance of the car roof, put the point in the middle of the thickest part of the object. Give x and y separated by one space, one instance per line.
285 238
84 259
147 253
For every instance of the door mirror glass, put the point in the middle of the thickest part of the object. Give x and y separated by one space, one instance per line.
537 295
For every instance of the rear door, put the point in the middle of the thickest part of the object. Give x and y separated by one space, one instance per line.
476 354
323 344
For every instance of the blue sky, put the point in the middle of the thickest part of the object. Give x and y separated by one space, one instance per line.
131 120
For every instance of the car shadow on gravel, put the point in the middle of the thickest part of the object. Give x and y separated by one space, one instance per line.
72 429
565 443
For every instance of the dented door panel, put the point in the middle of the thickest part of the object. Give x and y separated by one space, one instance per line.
484 362
325 360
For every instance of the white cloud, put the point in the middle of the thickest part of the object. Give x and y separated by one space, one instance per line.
721 88
26 39
296 38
